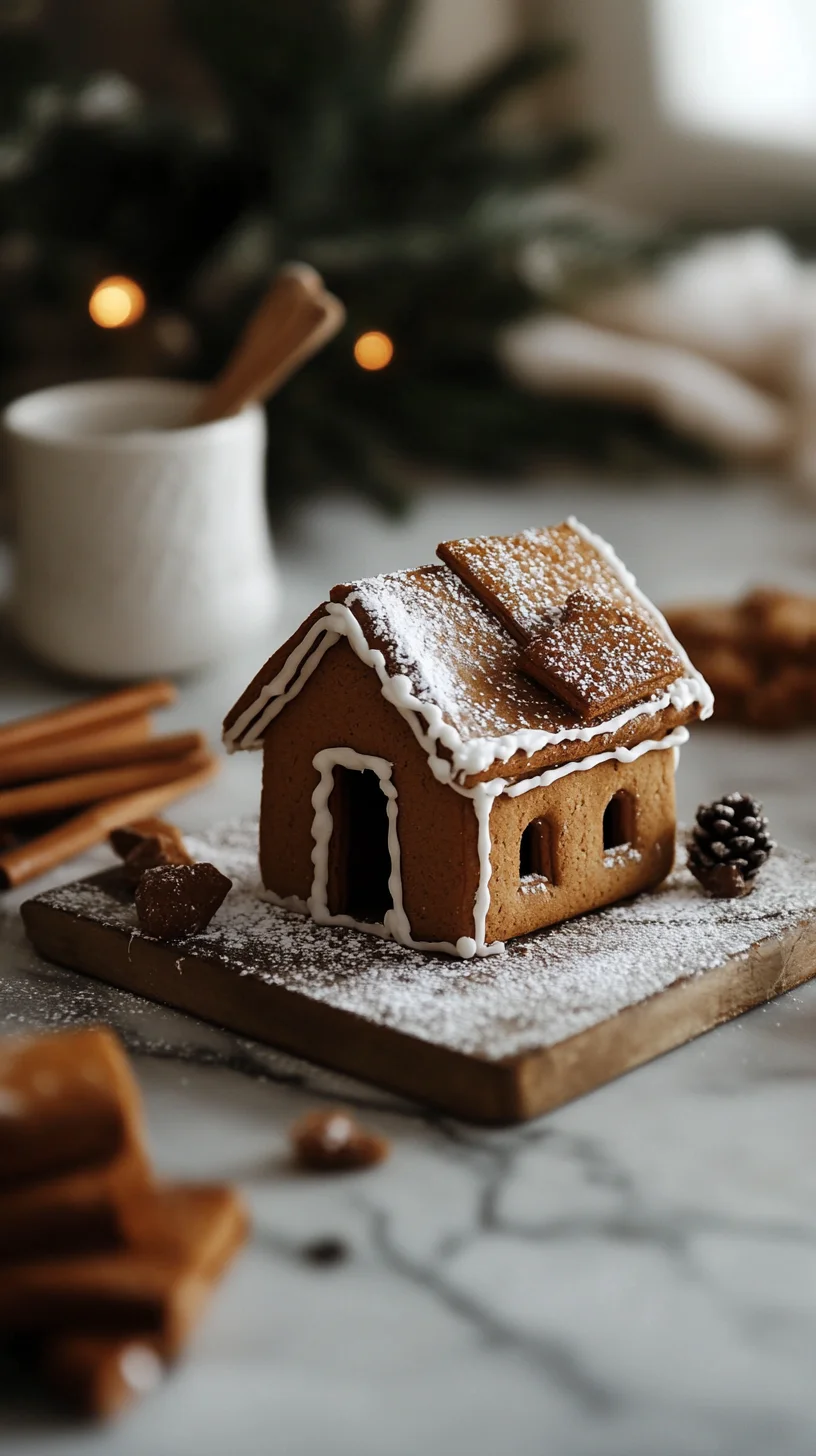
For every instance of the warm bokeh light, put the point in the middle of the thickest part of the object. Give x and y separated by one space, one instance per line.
373 350
116 302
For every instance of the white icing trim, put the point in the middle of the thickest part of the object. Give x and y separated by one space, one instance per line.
426 720
467 758
284 902
395 925
485 795
674 740
482 804
282 688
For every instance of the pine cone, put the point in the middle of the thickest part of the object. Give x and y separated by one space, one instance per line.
729 845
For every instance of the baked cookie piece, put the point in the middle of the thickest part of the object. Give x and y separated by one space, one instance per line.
758 654
598 658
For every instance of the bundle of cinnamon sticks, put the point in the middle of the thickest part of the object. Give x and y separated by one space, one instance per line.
93 766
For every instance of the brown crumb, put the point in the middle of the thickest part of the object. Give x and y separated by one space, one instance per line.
326 1251
331 1141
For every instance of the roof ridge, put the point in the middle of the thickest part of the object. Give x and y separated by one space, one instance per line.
439 651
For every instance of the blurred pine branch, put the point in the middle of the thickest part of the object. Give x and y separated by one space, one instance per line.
413 204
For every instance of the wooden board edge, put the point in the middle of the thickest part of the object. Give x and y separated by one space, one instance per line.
551 1076
466 1086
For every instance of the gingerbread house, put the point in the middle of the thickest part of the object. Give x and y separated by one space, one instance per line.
473 750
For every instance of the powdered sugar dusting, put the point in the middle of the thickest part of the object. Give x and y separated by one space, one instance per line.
541 990
530 574
454 653
446 661
457 656
597 656
448 638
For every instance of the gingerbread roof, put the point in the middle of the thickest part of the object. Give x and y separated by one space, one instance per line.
448 654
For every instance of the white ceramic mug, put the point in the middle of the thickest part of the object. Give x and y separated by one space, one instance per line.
142 543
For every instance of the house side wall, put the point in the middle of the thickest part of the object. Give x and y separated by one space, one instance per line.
585 877
341 706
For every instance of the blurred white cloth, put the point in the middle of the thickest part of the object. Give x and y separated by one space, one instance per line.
720 343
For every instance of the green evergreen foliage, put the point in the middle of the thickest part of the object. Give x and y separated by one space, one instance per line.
412 204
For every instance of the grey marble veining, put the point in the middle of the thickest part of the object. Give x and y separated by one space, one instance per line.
634 1275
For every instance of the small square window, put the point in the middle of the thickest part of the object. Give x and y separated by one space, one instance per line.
536 854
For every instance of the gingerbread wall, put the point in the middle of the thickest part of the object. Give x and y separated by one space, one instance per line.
584 875
341 706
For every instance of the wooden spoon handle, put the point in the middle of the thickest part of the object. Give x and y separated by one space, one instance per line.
295 319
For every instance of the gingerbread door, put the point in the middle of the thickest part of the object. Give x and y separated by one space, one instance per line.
359 865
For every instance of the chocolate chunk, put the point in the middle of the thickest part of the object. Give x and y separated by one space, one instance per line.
331 1141
176 900
152 852
598 658
146 844
129 836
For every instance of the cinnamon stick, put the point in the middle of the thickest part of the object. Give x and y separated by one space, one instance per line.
88 788
53 759
93 825
60 722
134 728
294 320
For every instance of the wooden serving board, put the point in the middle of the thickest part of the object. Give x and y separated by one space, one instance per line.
497 1039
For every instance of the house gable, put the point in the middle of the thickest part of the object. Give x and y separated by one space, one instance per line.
341 707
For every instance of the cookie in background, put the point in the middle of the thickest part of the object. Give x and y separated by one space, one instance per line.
758 654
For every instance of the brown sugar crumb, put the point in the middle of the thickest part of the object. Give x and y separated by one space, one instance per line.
331 1141
598 658
176 900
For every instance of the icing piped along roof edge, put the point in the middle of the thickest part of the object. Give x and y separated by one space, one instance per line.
406 603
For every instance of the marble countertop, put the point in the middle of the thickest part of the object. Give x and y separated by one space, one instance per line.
634 1275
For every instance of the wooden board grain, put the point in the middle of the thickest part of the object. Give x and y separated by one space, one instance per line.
214 979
